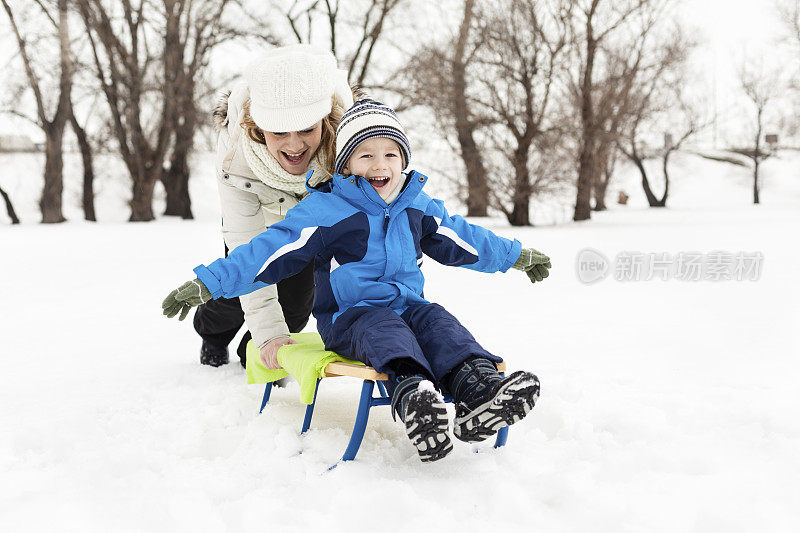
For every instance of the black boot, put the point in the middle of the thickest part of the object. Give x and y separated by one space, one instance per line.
241 351
213 355
485 401
422 410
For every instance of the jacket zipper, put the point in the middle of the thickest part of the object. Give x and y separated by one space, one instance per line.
385 209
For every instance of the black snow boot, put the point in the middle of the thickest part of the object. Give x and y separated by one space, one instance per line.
486 401
422 410
241 351
213 355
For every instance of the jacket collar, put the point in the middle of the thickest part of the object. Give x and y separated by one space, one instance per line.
357 191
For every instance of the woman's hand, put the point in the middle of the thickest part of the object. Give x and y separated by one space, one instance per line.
269 352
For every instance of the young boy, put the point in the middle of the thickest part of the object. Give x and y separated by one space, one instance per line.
366 231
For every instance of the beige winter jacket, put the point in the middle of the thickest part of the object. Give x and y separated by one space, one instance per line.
249 207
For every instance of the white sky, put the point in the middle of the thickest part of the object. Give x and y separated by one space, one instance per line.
732 29
727 30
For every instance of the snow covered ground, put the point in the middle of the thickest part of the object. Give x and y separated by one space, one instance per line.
667 406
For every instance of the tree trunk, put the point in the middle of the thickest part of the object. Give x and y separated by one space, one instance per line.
50 202
600 195
586 168
9 207
648 192
176 177
88 170
663 201
583 201
755 182
142 201
602 178
176 184
757 155
520 215
477 185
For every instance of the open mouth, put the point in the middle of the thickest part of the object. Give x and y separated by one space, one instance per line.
379 181
294 159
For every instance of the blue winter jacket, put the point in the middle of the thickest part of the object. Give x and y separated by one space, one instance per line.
365 253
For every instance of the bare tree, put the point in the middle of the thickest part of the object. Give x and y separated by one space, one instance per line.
51 122
612 111
638 154
761 89
465 121
441 77
490 89
654 99
789 13
524 41
148 58
123 65
597 22
364 29
190 31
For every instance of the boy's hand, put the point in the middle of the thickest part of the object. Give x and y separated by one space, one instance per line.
190 294
534 263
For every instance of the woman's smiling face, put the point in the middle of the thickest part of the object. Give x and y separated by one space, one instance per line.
293 150
379 160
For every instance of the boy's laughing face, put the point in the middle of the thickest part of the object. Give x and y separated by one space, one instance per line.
380 161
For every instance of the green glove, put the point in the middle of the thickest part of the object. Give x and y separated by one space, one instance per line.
190 294
534 263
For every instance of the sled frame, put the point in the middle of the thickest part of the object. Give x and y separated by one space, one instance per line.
366 402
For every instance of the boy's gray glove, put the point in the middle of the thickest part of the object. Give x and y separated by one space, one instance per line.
190 294
534 263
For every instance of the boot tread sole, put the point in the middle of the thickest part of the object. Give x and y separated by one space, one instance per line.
512 401
426 424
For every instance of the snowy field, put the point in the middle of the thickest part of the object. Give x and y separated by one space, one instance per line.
667 406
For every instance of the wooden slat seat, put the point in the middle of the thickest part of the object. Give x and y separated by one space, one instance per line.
367 372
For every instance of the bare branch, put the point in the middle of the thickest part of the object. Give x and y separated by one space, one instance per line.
33 80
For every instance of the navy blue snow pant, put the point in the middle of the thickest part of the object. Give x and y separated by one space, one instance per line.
425 333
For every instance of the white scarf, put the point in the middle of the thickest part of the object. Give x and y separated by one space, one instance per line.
267 169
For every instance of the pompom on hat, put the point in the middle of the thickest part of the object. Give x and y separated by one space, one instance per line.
291 87
365 120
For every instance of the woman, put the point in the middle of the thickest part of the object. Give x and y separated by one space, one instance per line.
273 128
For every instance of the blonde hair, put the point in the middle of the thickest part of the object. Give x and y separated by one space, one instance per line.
327 143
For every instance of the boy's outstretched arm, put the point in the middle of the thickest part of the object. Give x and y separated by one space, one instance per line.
281 251
453 241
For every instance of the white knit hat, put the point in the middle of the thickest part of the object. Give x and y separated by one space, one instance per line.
291 87
365 120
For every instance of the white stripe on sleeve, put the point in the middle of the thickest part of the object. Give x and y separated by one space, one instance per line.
305 235
453 236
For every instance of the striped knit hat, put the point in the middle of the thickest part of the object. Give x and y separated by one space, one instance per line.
365 120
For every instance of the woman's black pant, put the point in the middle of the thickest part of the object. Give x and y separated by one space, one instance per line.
218 321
